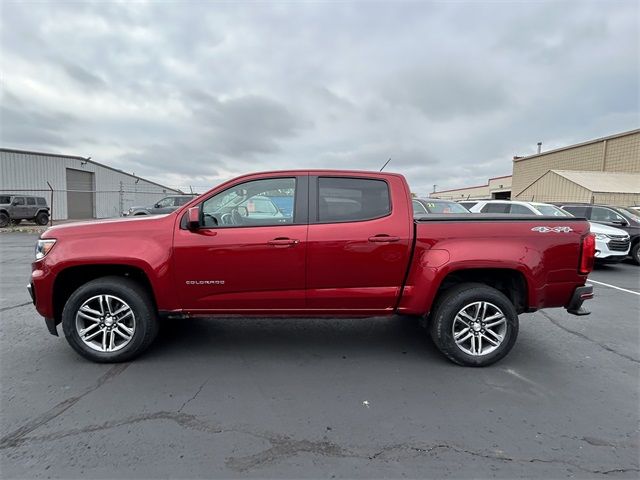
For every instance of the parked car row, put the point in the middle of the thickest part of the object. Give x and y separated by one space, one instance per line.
617 229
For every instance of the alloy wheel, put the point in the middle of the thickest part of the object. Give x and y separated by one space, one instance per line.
105 323
479 328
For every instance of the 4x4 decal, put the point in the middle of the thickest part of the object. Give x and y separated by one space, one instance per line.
543 229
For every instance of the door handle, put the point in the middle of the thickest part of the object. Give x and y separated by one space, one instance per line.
383 238
282 241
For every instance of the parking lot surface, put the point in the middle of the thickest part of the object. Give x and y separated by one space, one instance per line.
323 398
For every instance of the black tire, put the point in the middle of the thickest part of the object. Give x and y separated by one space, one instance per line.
635 253
451 303
137 298
42 218
4 219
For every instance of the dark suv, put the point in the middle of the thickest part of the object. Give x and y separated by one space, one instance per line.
15 208
620 217
166 205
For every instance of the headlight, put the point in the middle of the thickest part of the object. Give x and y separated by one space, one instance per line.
602 236
43 247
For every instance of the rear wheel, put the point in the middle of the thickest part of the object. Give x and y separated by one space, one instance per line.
42 218
474 325
110 319
4 219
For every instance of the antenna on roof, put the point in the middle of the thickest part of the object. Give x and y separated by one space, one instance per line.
385 164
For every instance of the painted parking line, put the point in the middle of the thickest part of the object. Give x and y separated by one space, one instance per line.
613 286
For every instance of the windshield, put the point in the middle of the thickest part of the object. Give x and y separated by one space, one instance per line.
631 214
552 211
444 207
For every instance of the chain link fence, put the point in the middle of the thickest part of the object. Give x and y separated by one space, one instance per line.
67 204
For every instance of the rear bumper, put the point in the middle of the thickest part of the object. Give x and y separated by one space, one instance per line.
580 294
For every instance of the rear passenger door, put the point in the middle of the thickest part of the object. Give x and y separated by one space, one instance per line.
31 207
358 244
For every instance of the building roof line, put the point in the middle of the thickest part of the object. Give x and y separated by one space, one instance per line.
522 191
575 145
475 186
88 160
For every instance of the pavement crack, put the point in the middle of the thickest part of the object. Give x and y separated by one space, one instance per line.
5 309
190 422
584 337
14 437
492 456
285 447
186 402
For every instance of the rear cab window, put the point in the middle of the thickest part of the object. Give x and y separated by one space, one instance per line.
342 199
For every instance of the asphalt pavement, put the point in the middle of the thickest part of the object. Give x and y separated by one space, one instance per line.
325 398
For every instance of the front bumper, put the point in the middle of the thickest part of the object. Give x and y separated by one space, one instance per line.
580 294
33 293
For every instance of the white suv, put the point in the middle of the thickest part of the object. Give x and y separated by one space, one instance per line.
612 244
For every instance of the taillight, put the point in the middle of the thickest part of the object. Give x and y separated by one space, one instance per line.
587 254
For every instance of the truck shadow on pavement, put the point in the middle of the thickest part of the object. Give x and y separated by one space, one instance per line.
322 337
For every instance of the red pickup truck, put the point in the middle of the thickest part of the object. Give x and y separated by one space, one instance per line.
309 243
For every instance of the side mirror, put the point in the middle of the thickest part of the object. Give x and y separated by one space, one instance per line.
193 218
157 205
619 223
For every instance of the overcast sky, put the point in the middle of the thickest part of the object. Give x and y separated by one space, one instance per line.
193 93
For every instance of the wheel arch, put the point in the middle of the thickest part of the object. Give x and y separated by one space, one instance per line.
71 278
511 282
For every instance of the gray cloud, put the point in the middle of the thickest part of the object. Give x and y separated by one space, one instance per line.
192 94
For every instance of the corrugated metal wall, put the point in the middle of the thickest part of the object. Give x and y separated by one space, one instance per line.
618 154
21 172
554 188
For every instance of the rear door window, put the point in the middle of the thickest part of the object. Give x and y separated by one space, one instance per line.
577 211
352 199
520 210
31 201
495 208
19 201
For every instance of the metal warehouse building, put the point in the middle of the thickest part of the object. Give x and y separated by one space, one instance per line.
604 170
497 188
75 187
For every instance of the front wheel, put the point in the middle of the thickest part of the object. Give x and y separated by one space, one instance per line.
110 319
474 325
635 253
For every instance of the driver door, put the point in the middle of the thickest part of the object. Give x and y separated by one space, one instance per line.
246 257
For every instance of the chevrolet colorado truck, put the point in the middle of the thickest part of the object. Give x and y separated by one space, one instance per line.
349 246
